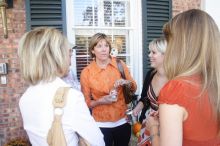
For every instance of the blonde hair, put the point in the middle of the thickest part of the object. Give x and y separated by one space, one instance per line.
94 41
160 44
193 48
43 54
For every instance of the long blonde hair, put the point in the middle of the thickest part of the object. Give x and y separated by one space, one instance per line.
194 48
43 54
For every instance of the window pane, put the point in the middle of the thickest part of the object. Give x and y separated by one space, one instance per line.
85 13
119 14
108 13
92 12
82 53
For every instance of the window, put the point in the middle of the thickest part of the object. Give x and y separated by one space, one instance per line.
111 17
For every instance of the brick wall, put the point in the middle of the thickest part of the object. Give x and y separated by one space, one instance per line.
10 119
183 5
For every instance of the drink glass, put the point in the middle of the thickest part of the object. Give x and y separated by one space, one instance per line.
113 94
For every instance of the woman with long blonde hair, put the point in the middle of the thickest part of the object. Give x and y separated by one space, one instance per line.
189 104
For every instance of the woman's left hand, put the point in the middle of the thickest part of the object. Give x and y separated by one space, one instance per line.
121 82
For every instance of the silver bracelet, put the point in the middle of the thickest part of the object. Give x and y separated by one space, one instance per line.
153 135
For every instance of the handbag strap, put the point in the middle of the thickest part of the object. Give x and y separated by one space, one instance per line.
59 99
55 136
120 68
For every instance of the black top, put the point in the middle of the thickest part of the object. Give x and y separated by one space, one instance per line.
144 97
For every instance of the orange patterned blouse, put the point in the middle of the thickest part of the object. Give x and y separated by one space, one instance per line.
200 128
97 82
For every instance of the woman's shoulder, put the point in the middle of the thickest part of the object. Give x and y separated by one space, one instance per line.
151 72
148 77
75 96
89 67
116 60
180 90
187 83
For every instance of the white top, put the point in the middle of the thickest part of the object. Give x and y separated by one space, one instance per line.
112 124
37 113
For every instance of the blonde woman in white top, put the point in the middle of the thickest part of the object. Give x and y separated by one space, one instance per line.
45 58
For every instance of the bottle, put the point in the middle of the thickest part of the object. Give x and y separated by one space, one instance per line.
113 94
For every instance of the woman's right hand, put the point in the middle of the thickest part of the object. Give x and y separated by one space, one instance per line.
137 109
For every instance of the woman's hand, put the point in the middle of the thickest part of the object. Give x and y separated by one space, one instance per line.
121 82
152 124
107 99
154 114
138 108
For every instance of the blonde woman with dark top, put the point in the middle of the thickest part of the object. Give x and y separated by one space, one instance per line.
189 104
154 80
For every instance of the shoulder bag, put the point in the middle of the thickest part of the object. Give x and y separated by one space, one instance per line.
56 135
128 94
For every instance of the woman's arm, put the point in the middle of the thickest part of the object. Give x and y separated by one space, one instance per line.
147 80
144 99
84 81
129 77
138 108
80 119
171 119
107 99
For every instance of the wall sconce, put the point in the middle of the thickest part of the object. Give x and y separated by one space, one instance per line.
3 6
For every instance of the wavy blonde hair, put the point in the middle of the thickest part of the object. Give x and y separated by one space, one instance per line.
159 43
43 54
194 48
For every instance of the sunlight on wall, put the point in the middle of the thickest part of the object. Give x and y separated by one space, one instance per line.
212 7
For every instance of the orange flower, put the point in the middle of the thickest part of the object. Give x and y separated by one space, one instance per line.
136 128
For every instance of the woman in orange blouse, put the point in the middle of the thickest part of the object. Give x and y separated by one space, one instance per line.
189 104
97 80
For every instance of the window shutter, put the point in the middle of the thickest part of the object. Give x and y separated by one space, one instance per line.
155 13
49 13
